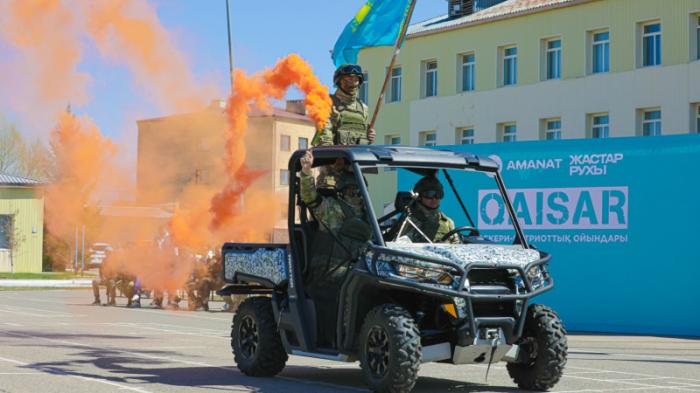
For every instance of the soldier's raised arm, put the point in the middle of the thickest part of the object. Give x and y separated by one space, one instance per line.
307 182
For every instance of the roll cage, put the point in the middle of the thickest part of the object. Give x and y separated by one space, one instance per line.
421 161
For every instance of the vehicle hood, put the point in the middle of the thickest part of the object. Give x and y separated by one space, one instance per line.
465 254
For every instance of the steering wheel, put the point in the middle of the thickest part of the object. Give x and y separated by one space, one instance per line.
472 232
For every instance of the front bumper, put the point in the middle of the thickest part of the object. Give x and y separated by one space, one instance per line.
468 330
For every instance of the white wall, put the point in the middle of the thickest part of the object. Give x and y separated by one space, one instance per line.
672 88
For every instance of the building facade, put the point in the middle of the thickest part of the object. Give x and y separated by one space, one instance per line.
177 151
21 224
542 69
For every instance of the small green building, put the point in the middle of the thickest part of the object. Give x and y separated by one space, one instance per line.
21 224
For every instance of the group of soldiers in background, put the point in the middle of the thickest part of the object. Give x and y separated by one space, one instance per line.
205 277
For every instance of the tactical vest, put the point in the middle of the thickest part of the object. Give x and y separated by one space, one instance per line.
433 225
350 125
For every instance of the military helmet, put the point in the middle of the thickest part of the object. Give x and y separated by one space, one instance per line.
429 183
348 69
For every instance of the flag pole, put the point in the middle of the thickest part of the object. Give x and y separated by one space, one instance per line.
397 49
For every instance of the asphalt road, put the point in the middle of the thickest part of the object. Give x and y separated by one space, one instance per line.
54 341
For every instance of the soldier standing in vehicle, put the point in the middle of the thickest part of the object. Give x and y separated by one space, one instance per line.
343 232
348 122
426 214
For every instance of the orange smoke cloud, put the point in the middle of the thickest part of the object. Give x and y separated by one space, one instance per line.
129 31
259 89
42 73
47 36
81 157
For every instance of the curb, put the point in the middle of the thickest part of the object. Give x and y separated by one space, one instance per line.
74 283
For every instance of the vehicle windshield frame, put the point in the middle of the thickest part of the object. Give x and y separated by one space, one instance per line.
427 169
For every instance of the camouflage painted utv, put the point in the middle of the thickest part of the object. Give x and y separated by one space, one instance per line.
401 303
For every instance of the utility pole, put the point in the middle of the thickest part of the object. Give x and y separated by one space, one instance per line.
230 51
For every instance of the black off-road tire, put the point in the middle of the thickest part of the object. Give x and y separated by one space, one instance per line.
544 340
401 352
255 340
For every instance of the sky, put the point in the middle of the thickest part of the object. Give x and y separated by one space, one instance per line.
261 32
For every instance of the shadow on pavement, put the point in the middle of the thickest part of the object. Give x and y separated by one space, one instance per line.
353 379
114 366
65 336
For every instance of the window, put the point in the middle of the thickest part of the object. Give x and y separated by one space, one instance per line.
465 136
510 66
303 143
509 132
362 95
601 52
697 118
285 142
694 37
600 126
5 232
428 138
392 140
394 86
431 78
651 122
468 72
284 177
552 129
651 44
697 37
553 59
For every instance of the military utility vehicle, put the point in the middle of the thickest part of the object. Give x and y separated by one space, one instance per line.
403 303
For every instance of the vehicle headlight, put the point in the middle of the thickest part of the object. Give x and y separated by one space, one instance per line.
428 274
536 276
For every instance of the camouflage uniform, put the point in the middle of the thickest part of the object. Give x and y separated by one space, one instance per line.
334 246
108 281
347 124
433 223
199 286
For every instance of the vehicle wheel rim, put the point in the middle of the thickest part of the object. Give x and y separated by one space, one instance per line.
529 345
378 351
248 333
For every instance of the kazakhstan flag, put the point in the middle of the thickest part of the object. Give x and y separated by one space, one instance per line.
378 23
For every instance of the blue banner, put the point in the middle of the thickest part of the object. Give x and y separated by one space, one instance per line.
619 216
377 23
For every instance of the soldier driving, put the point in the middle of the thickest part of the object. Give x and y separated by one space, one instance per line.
426 214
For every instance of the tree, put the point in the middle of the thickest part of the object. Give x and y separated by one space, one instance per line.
12 149
19 158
